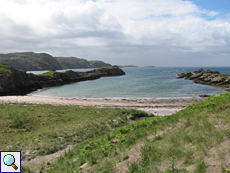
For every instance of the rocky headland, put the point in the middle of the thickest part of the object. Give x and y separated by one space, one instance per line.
208 77
18 82
31 61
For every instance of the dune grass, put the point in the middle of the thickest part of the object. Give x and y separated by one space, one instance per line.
40 130
195 139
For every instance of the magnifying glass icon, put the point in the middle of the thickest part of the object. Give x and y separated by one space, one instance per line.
9 160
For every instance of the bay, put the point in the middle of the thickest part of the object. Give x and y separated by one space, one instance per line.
138 83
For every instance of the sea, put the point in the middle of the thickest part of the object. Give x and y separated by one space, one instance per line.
138 83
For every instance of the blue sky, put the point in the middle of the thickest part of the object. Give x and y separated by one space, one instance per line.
138 32
214 5
221 6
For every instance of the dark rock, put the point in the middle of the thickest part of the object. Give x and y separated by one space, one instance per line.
227 81
197 75
216 72
16 82
205 95
218 79
184 75
207 77
199 70
208 71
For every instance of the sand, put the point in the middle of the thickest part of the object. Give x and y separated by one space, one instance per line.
158 107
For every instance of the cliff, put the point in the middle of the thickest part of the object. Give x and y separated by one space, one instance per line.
31 61
17 82
207 77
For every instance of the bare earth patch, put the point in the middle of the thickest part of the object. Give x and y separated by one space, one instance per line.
41 161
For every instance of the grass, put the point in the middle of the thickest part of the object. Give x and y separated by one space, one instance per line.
4 69
39 130
192 140
195 139
49 73
103 69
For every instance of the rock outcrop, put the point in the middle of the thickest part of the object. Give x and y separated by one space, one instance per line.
199 70
17 82
31 61
184 75
207 77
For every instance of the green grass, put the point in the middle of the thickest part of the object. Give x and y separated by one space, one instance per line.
49 73
39 130
4 69
195 139
187 141
104 69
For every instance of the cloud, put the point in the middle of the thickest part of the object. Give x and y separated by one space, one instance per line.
111 29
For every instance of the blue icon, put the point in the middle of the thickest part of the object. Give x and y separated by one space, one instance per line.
9 160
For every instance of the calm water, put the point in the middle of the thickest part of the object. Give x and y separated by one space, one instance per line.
141 82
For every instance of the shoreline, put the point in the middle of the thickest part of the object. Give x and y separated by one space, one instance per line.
158 107
112 98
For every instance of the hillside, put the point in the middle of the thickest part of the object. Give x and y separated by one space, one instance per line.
72 62
196 139
97 64
31 61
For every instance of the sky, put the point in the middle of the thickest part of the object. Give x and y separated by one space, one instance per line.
120 32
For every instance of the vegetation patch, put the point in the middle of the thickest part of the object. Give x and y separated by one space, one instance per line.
191 140
195 139
40 130
49 73
4 69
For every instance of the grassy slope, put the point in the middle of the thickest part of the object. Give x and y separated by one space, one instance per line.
40 130
4 69
193 140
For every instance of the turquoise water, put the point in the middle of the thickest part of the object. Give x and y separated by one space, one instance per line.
141 82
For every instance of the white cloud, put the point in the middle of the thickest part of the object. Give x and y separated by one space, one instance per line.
145 27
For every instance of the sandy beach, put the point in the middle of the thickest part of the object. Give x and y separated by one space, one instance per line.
158 107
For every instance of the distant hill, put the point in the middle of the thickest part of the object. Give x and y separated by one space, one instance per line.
72 62
122 66
31 61
98 64
150 66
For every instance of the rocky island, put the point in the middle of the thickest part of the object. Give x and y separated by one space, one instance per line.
18 82
208 77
